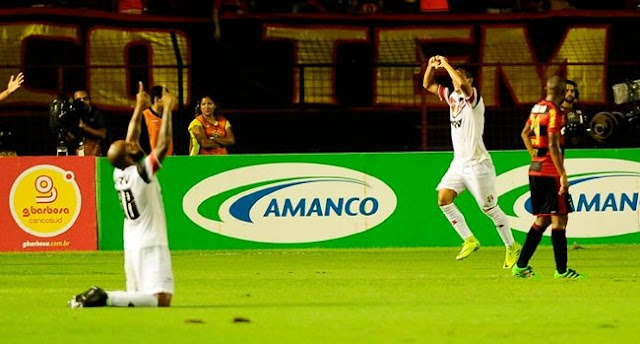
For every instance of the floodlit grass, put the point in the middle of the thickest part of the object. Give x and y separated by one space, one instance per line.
330 296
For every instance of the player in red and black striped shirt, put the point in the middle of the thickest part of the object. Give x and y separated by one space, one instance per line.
543 135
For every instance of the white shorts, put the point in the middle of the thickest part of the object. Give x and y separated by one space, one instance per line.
479 179
148 270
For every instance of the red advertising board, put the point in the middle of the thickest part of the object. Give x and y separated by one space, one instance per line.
47 204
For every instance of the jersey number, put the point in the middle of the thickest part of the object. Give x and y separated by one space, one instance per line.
128 204
535 125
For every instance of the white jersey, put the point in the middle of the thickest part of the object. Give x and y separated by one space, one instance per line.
466 115
141 200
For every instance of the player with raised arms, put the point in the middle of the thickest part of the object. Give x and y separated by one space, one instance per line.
147 260
472 168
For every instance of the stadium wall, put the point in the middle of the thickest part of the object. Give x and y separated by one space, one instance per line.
358 71
365 200
303 201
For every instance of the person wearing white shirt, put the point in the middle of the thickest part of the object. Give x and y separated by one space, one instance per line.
471 168
149 275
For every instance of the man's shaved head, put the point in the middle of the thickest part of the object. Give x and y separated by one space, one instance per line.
117 154
556 85
122 154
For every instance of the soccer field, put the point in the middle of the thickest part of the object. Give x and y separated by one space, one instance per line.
330 296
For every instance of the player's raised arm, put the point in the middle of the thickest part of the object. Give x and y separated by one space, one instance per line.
428 81
142 102
165 135
458 81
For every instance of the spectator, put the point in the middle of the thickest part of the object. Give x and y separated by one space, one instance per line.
5 136
405 6
500 6
557 5
367 6
466 6
12 86
153 117
602 5
308 6
93 131
434 5
238 7
536 5
210 131
130 6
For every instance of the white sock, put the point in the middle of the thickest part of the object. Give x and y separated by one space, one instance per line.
131 299
457 220
502 224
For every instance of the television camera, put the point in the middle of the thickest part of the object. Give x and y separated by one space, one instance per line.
64 117
618 127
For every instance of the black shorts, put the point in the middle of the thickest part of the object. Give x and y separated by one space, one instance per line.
545 199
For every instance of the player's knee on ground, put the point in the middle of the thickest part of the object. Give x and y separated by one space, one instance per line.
164 299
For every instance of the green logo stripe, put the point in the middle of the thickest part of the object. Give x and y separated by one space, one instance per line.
210 208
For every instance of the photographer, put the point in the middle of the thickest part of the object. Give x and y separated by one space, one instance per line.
79 127
571 97
577 124
93 131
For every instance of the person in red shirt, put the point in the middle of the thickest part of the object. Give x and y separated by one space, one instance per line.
131 6
543 135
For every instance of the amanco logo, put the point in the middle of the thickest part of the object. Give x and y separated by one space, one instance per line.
289 202
45 200
605 194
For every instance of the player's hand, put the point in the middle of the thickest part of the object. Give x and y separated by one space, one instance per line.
442 60
15 82
436 62
142 98
564 185
169 100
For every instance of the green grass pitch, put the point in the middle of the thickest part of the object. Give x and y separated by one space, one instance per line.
330 296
